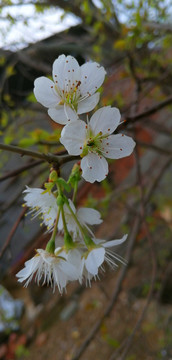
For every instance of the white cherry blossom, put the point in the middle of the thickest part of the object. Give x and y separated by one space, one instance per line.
95 258
73 90
85 216
44 204
94 142
73 257
48 269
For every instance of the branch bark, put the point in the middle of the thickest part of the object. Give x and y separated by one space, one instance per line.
50 158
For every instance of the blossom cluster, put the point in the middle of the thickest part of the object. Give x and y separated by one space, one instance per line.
73 252
78 261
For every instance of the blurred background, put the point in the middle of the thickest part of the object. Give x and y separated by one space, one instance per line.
128 313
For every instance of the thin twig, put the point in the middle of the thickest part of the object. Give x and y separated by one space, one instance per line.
12 232
20 170
134 118
154 147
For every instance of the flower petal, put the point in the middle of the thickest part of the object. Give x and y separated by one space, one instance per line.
95 259
92 77
106 120
112 243
45 92
88 104
89 216
117 146
71 114
72 73
94 168
58 71
58 115
73 136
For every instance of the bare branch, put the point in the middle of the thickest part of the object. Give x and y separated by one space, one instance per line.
50 158
20 170
12 232
150 111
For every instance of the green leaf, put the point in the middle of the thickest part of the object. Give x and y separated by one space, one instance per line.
27 142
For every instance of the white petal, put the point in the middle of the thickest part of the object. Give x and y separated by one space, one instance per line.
74 257
106 120
117 146
45 93
71 114
72 73
92 77
73 136
58 71
115 242
94 168
88 104
41 202
58 115
95 259
89 216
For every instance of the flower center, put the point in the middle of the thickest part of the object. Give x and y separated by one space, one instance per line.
92 143
70 95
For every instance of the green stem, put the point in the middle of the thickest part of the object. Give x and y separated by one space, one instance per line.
75 192
51 243
88 241
64 220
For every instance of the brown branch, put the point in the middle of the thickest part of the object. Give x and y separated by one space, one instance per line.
150 111
50 158
20 170
156 181
154 147
12 232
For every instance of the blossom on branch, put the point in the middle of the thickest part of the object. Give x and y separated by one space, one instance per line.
48 269
102 252
73 90
94 142
44 204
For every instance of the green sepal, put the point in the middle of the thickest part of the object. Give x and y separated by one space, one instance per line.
88 241
48 186
62 183
60 200
50 246
75 175
68 241
53 176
